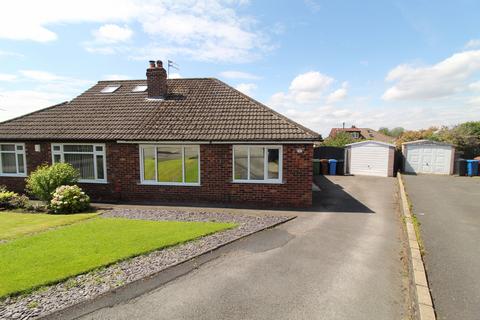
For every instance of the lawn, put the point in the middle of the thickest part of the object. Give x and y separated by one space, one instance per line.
48 257
171 170
14 225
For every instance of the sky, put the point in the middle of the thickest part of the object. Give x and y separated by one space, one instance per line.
413 64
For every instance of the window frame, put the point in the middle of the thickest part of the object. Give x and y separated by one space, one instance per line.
103 153
165 183
16 152
114 88
279 180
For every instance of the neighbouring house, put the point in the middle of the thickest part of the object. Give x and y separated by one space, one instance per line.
157 140
362 134
424 156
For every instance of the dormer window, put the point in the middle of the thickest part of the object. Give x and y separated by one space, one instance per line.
110 89
140 88
355 135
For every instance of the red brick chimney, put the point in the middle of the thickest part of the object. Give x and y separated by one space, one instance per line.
156 80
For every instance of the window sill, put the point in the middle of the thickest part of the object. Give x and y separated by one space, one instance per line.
13 175
93 181
257 182
178 184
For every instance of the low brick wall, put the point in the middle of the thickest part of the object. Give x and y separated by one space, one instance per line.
123 175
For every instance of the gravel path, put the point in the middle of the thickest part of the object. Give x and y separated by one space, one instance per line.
89 285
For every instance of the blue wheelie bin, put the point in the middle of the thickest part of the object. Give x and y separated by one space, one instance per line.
332 166
472 167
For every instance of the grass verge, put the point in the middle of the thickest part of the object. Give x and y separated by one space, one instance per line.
14 225
55 255
415 222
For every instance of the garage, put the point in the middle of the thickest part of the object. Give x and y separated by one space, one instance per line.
424 156
371 158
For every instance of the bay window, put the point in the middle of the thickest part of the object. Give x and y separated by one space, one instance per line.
12 159
170 164
88 159
257 164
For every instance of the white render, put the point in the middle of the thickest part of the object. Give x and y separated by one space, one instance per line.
428 157
371 158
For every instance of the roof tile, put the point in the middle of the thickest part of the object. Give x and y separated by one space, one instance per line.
195 110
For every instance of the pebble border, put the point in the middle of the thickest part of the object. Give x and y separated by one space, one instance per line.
81 288
422 291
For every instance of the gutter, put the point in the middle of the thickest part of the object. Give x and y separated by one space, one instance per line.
218 142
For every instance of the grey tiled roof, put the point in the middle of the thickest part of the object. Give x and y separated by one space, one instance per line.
365 133
195 110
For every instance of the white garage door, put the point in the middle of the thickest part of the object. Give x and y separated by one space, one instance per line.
428 159
369 159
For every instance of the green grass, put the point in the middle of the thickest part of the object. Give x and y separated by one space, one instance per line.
14 225
415 222
171 170
55 255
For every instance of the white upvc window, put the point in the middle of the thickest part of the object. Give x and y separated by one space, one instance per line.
12 160
170 165
88 159
257 164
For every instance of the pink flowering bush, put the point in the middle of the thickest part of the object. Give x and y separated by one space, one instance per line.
69 199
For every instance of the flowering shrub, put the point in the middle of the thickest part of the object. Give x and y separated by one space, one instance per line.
69 199
12 200
46 179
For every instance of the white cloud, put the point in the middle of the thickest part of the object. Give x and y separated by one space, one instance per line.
313 5
335 106
238 75
322 118
474 43
39 75
17 102
474 86
306 88
7 77
201 30
246 88
174 75
112 33
338 95
312 81
445 78
4 53
45 89
92 48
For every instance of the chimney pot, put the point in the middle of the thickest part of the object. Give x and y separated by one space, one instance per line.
156 80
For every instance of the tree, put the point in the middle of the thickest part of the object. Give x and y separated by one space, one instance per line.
339 140
465 137
395 132
413 135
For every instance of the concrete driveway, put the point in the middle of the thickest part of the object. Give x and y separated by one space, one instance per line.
340 261
448 209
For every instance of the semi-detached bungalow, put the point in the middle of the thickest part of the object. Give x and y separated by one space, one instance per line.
159 139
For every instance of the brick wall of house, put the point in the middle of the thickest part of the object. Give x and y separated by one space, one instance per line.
123 175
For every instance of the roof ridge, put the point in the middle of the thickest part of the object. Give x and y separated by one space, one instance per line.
34 112
279 115
144 80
